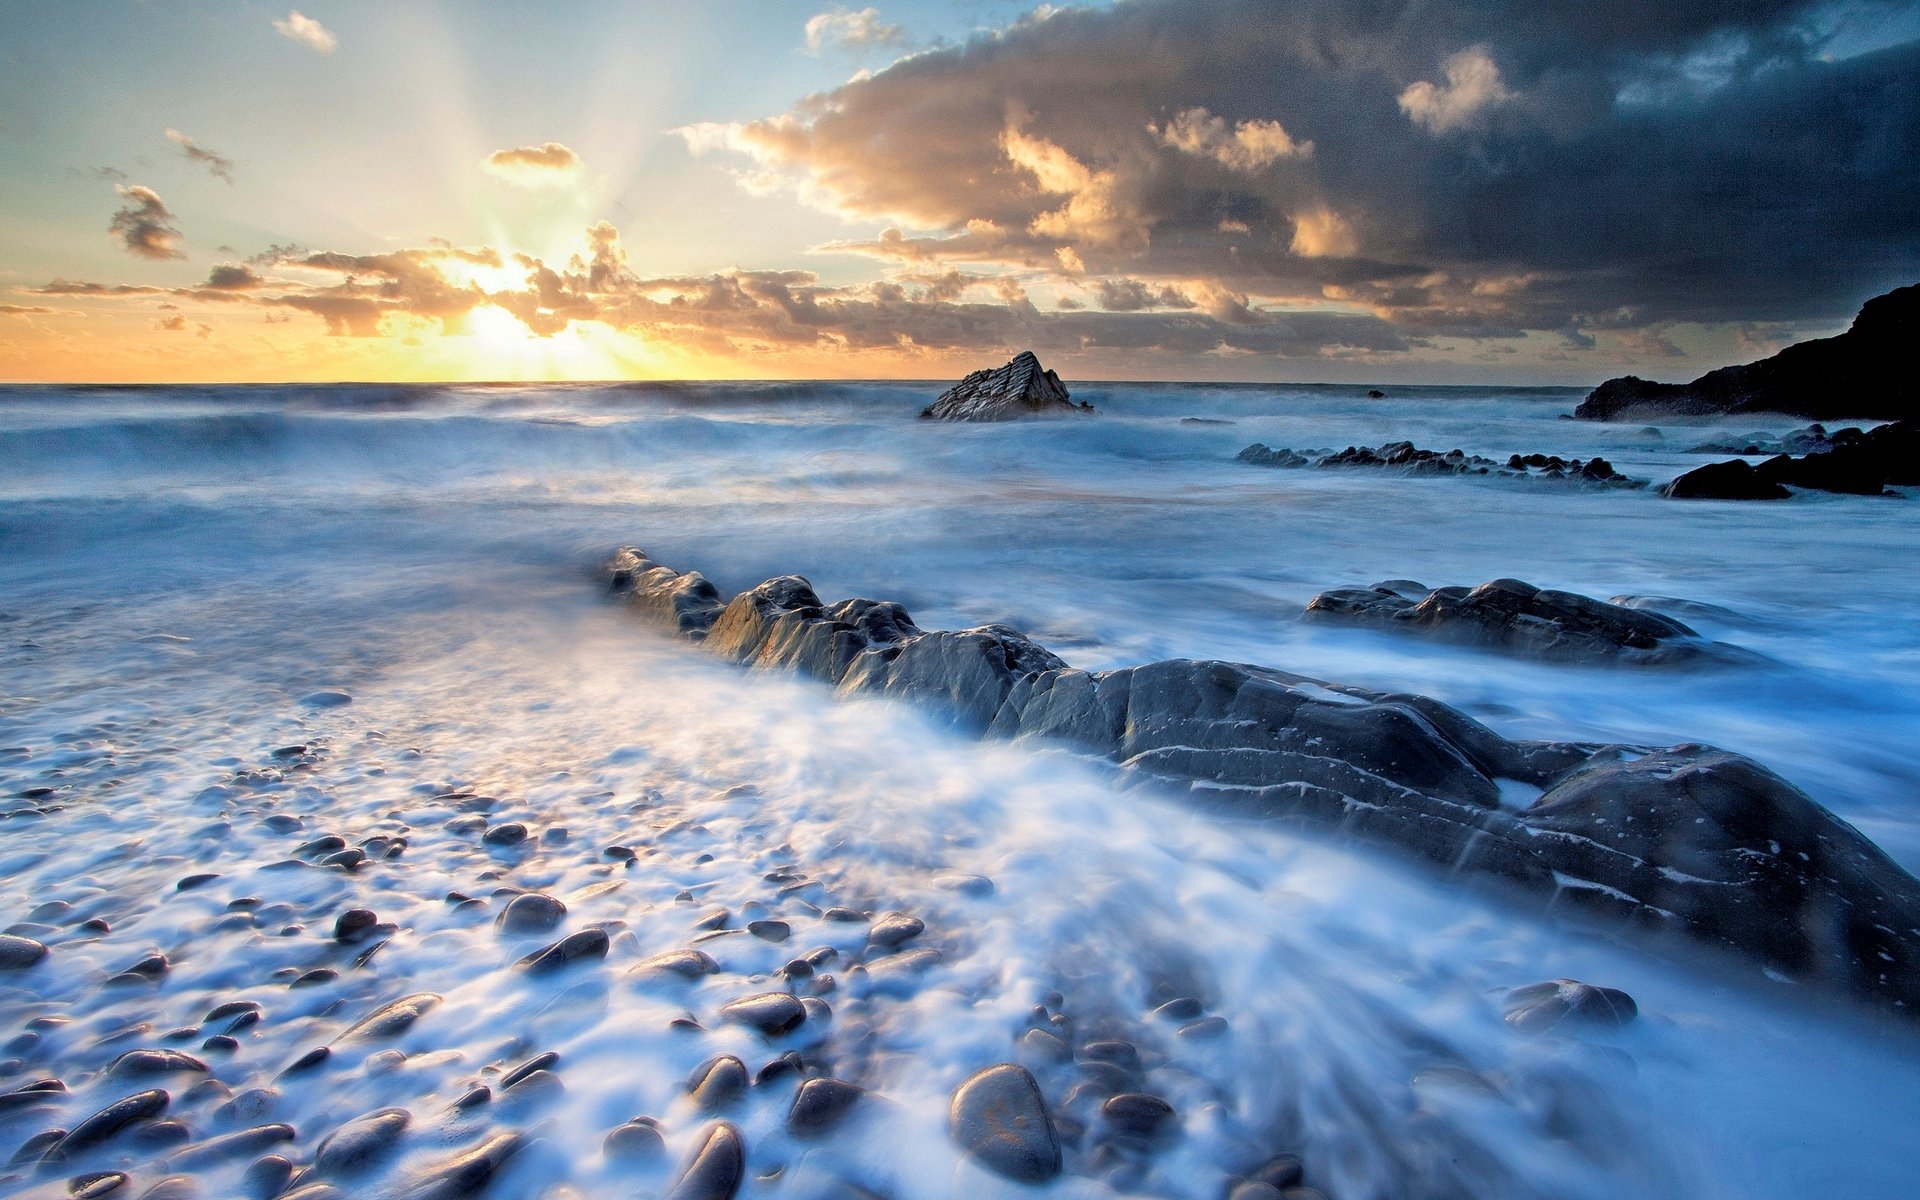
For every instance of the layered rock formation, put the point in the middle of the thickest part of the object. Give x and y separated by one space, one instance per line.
1864 372
1688 839
1855 463
1021 388
1518 618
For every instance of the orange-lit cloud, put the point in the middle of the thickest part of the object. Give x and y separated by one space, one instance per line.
144 226
547 165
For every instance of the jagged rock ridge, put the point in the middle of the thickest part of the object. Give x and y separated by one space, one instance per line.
1864 372
1687 839
1021 388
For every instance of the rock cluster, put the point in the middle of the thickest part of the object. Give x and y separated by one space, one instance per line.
1687 839
1518 618
1407 457
1021 388
1851 462
1861 373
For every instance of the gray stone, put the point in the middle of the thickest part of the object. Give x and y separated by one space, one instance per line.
718 1083
893 928
361 1142
772 1013
681 964
135 1063
393 1018
717 1165
467 1173
999 1118
1021 388
531 912
585 946
1567 1003
102 1126
821 1104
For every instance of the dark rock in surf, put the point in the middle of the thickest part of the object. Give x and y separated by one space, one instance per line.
1734 479
1861 465
821 1104
19 953
1393 769
531 912
636 1140
585 946
892 929
1406 458
104 1125
354 925
393 1018
1137 1114
1864 372
717 1165
772 1013
999 1117
1021 388
136 1063
719 1083
467 1173
1567 1003
1518 618
675 964
1262 455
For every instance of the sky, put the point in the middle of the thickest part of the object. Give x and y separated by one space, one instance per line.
1445 191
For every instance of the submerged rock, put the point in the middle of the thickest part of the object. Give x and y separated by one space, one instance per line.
999 1117
1518 618
1541 1007
1021 388
1411 459
1690 839
1854 463
714 1171
1864 372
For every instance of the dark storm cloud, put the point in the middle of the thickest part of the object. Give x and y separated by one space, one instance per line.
144 226
1462 168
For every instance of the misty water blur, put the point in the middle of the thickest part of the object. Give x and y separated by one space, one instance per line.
430 550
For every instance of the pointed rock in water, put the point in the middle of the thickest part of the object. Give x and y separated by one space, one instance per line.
1022 388
999 1117
714 1171
1567 1002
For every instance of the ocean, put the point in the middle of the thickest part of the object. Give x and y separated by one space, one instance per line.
186 571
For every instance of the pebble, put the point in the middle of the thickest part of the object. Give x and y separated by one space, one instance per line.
240 1143
308 1061
999 1118
193 881
894 928
357 1144
1137 1113
539 1062
718 1083
1045 1046
315 977
714 1171
135 1063
394 1018
772 1013
326 699
770 931
1205 1027
588 944
787 1064
354 924
172 1187
96 1184
1541 1007
844 915
687 964
267 1177
530 912
467 1173
1253 1190
247 1106
821 1104
637 1139
510 834
40 1091
347 860
109 1121
1280 1172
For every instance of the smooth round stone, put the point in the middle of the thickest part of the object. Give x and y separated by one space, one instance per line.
308 1061
135 1063
770 931
1541 1007
1184 1008
395 1017
326 699
360 1142
772 1013
283 823
96 1184
103 1125
354 924
687 964
468 1172
637 1139
893 928
346 860
818 1011
717 1165
539 1062
510 834
1280 1172
530 912
999 1117
1120 1054
1045 1047
821 1104
1205 1027
718 1083
844 915
1137 1113
240 1144
194 881
787 1064
267 1177
584 946
173 1187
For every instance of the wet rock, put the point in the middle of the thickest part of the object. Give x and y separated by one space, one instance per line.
474 1097
467 1173
239 1144
1138 1114
1518 618
893 928
308 1061
393 1018
682 964
40 1091
531 912
104 1125
770 931
267 1177
1262 455
789 1063
1045 1047
772 1013
818 1012
1279 1172
137 1063
315 977
1734 479
36 1146
1182 1008
637 1140
96 1184
717 1165
1000 1119
510 834
1121 1054
253 1104
191 882
232 1008
173 1187
1205 1027
354 924
1021 388
326 699
1567 1003
534 1065
844 915
719 1083
821 1104
1254 1190
347 860
585 946
361 1142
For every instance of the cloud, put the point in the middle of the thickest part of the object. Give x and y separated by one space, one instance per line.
1630 161
308 32
25 310
1473 86
144 226
217 164
844 27
547 165
1248 146
179 324
233 277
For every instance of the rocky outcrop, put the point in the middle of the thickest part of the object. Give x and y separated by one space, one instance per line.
1854 463
1865 372
1022 388
1410 459
1518 618
1689 840
1814 439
